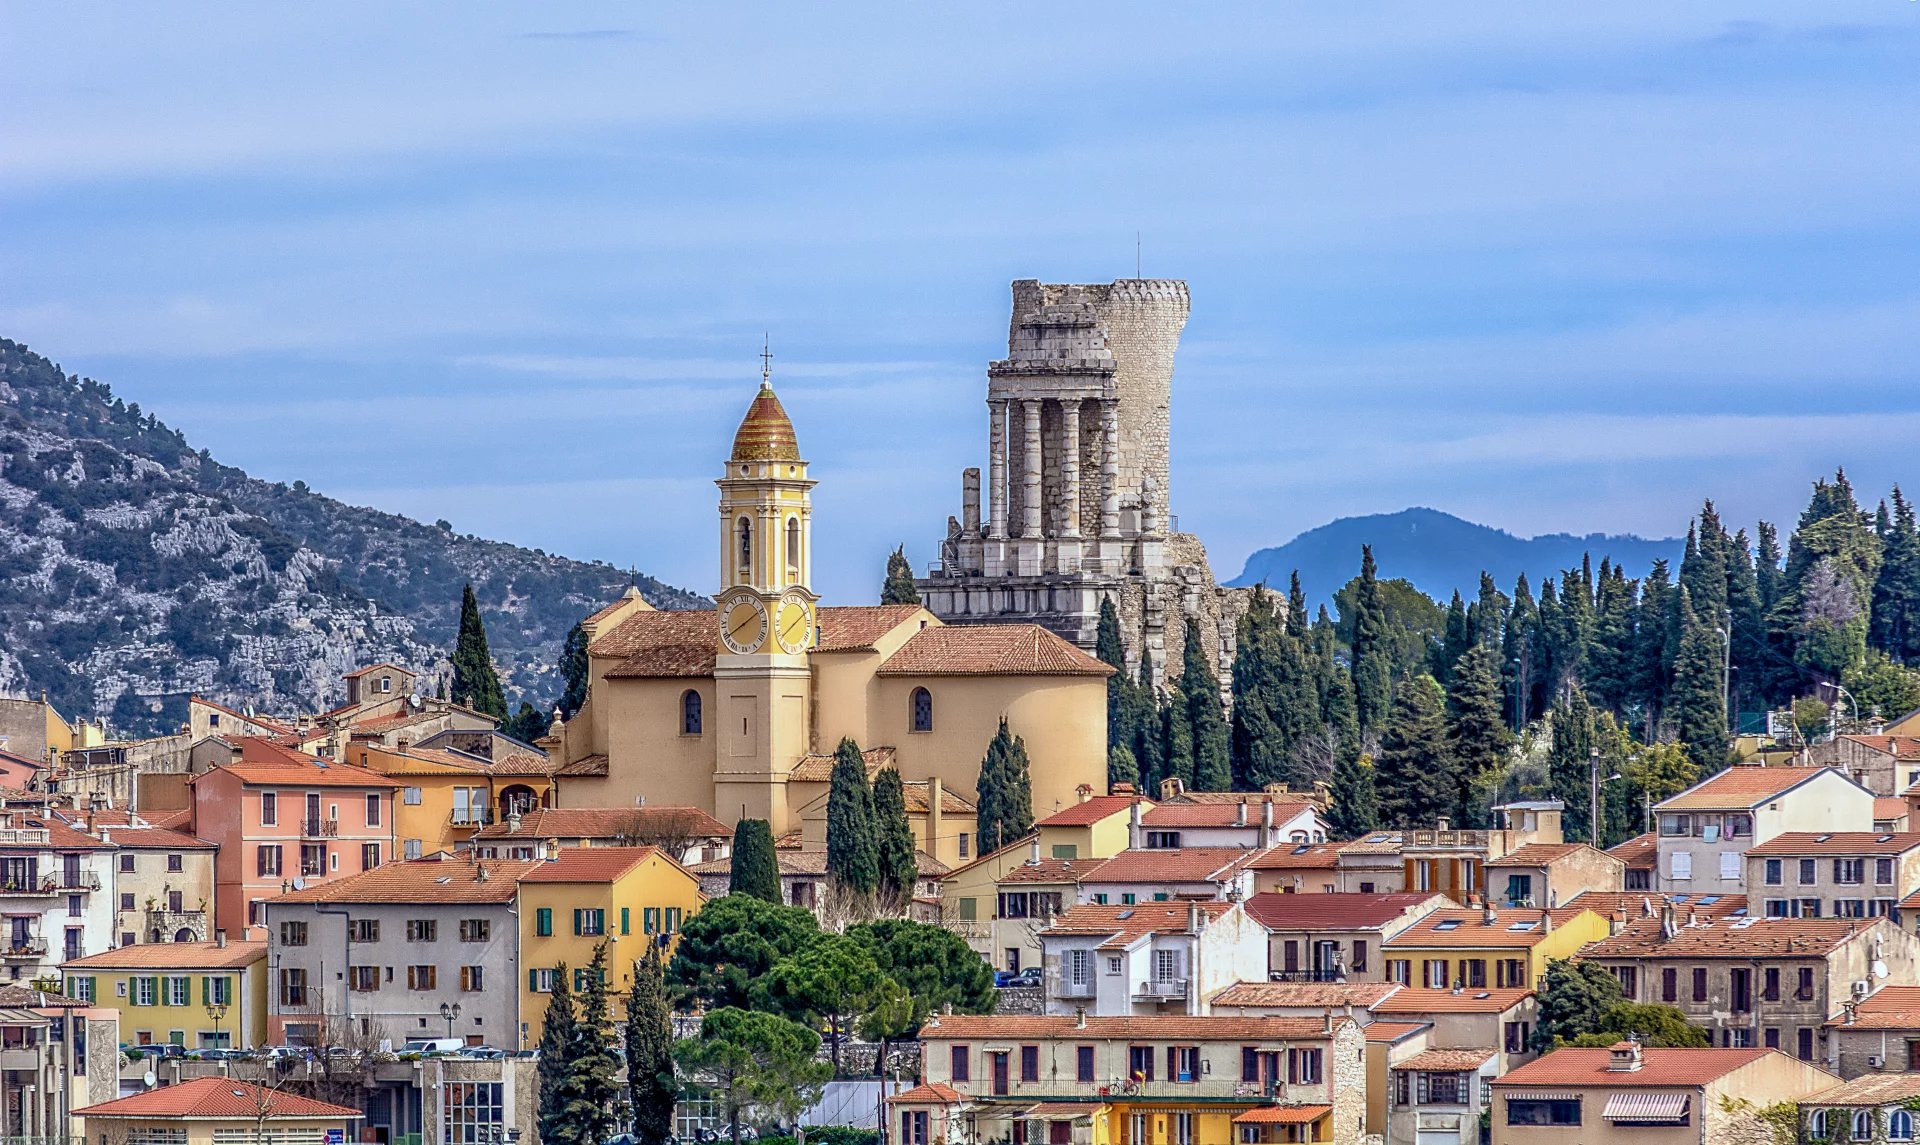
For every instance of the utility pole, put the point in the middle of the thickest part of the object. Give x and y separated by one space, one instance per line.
1726 674
1593 795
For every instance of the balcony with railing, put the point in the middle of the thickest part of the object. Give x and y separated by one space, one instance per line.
471 817
32 946
1331 974
1077 989
23 837
1162 988
319 828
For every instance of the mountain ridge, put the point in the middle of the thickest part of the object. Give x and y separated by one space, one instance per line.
1441 553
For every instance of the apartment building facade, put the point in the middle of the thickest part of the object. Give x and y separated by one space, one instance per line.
1706 830
1834 874
1152 958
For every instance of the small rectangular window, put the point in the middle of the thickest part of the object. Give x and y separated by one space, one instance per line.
543 921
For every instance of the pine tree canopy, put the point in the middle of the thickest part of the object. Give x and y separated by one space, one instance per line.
899 587
1413 771
1477 737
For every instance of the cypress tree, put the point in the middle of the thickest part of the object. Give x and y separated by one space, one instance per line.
1122 767
1207 721
1477 739
1176 735
1122 708
1372 657
1775 673
1411 770
1611 659
592 1094
1355 808
1571 633
1748 622
475 683
557 1044
1149 739
1454 642
853 847
1654 621
1701 717
1833 559
1518 652
1254 740
1895 626
1486 616
755 868
1569 767
899 860
1296 606
899 587
1004 808
573 671
652 1087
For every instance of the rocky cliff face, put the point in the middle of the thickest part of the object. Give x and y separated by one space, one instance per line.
135 570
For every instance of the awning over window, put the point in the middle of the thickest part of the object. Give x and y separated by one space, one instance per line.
1632 1107
1283 1115
1540 1095
1059 1111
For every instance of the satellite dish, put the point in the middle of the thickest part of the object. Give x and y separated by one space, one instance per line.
150 1080
1879 969
299 884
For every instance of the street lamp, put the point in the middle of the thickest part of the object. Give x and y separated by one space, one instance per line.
216 1011
451 1012
1593 794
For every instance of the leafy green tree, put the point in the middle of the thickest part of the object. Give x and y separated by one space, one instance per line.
557 1044
1880 685
652 1088
574 667
1698 675
899 587
1833 560
1004 808
755 868
933 963
853 845
1574 999
834 980
898 857
1477 738
1811 717
1658 771
1656 1024
730 944
592 1094
1412 770
751 1063
475 683
528 724
1206 721
1122 767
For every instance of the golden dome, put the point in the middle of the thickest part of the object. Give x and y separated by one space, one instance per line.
765 434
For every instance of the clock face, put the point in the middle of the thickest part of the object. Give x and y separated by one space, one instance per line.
795 625
743 627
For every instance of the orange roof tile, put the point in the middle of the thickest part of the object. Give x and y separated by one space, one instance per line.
766 433
387 664
1221 814
1447 1061
1051 871
1379 843
917 792
1393 1031
584 766
1124 925
1639 851
1515 927
972 1026
1306 994
1741 787
1636 903
855 628
1900 747
929 1093
217 1099
590 864
422 881
636 824
1332 911
683 642
817 767
1282 1115
172 820
1735 938
1173 865
1538 854
1092 810
173 956
154 838
1887 807
1577 1065
1298 857
990 650
1838 843
1871 1089
1421 1000
1888 1008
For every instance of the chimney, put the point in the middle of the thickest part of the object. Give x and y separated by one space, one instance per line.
935 832
1240 815
1326 1017
1133 826
1668 925
1616 922
1033 852
1489 916
1625 1057
1079 1018
402 743
1193 916
1693 917
1546 922
220 939
553 850
481 874
1266 824
1646 907
1443 823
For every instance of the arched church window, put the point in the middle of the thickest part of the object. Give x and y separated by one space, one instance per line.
690 713
922 710
793 548
746 549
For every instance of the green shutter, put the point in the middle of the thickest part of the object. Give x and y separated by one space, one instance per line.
543 921
624 929
969 909
533 981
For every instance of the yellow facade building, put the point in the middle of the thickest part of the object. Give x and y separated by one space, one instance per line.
627 897
1480 948
196 994
724 708
446 797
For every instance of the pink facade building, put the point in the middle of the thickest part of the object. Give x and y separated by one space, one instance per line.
284 820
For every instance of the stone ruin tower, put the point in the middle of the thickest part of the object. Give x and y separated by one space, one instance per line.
1077 502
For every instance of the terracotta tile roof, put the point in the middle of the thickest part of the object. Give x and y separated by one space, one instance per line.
1870 1089
1332 911
522 763
990 650
1887 807
1158 1027
684 642
1639 851
423 761
1282 1115
636 824
1741 787
929 1093
1298 857
1306 994
789 862
1124 925
172 820
60 836
855 628
1254 797
951 803
765 434
422 881
1424 1001
1378 843
1092 810
1838 843
1221 814
22 761
1538 854
591 864
1900 747
154 838
1888 1008
14 996
817 767
1051 871
387 664
297 775
1393 1031
1578 1065
586 765
1466 927
1447 1061
1735 938
1173 865
173 956
381 725
600 614
1637 904
217 1099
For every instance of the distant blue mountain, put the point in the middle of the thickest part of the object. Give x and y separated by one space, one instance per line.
1440 553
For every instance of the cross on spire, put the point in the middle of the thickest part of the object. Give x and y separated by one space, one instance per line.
766 362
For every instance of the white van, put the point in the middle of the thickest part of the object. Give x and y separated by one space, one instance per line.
433 1046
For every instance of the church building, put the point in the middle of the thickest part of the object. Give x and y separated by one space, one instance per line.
737 709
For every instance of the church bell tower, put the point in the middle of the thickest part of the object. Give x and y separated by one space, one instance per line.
767 615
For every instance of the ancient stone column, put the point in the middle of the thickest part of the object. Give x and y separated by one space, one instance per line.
1070 467
996 467
1109 468
1030 472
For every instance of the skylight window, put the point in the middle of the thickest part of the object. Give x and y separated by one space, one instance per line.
1447 924
1521 927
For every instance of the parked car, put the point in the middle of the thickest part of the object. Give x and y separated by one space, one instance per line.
1028 977
427 1046
488 1053
217 1054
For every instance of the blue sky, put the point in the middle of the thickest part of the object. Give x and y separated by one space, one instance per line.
1549 267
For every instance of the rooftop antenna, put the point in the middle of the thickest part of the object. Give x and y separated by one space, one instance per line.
1136 254
766 362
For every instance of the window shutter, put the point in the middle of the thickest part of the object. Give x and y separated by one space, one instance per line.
1682 865
533 981
623 921
577 912
1730 864
1249 1064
